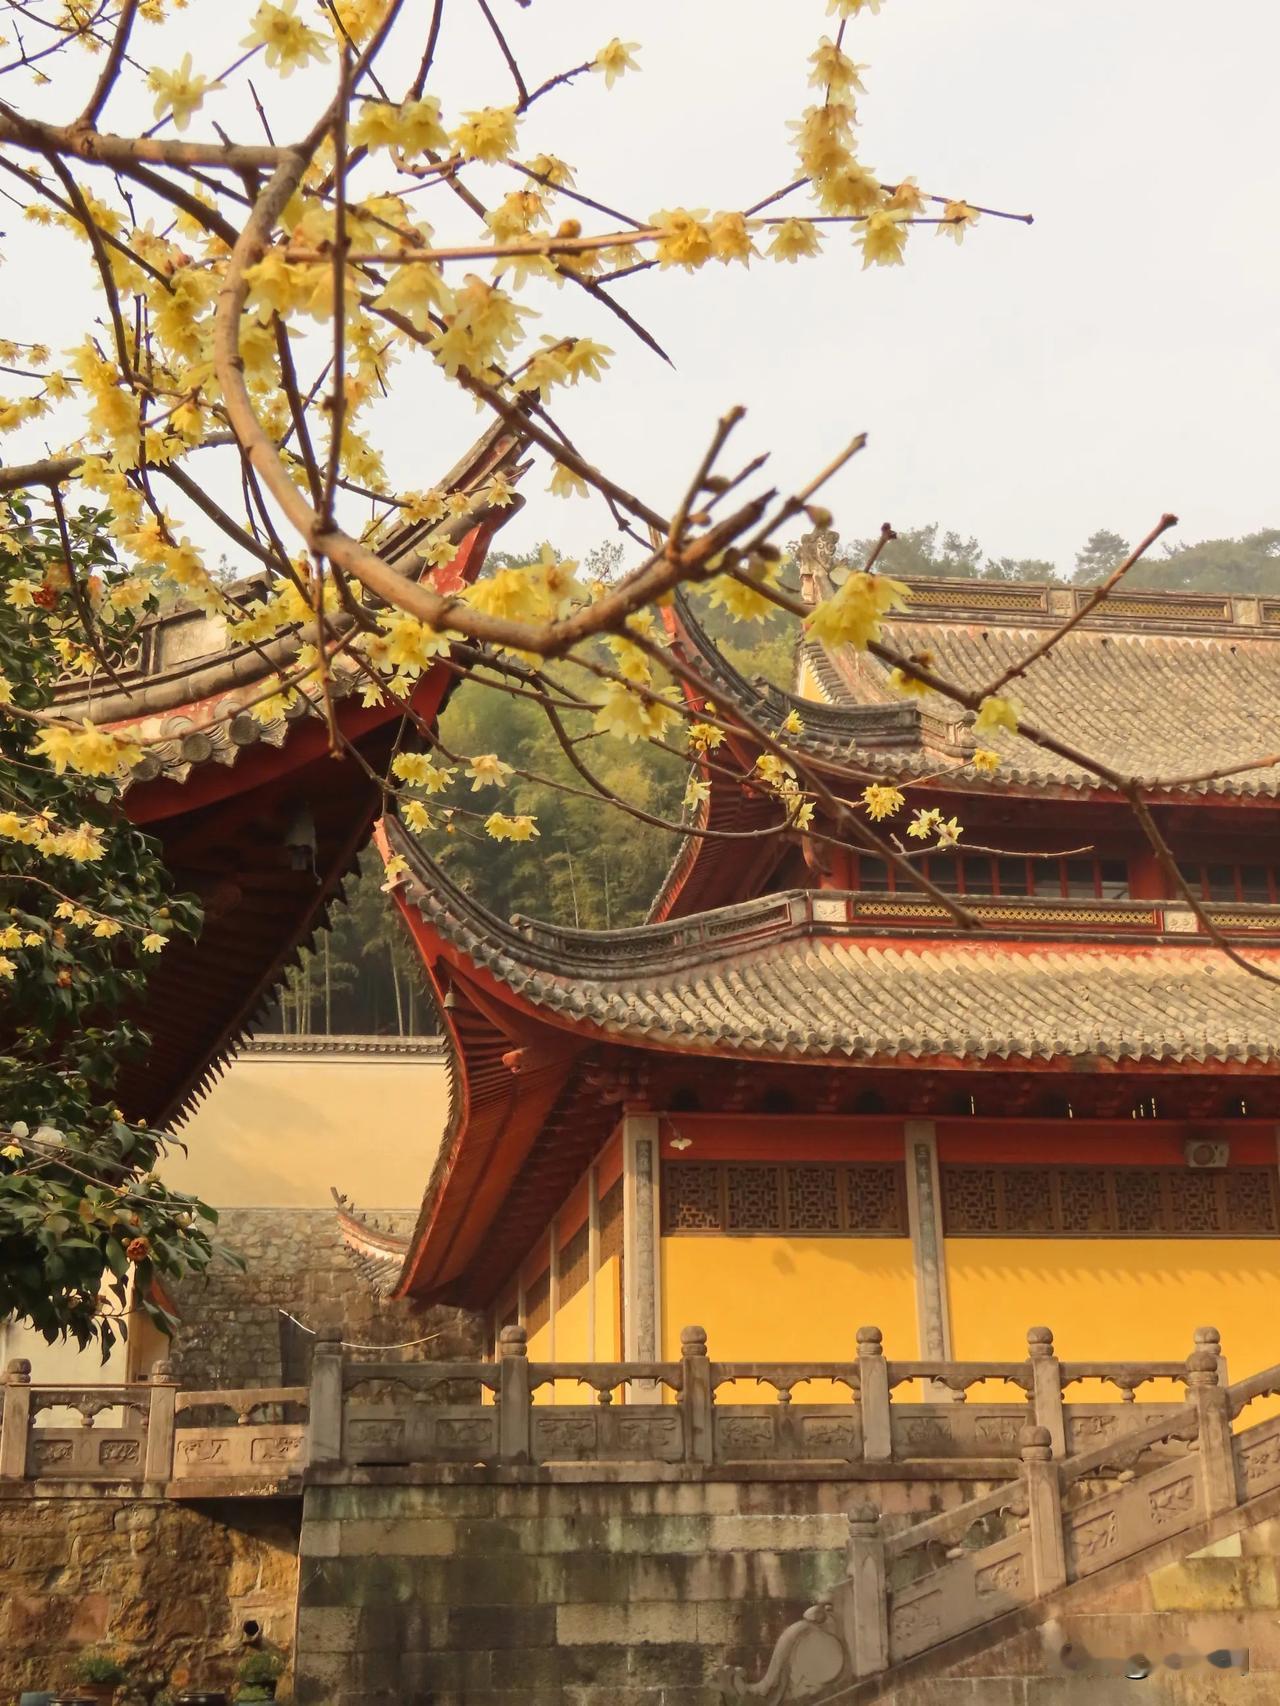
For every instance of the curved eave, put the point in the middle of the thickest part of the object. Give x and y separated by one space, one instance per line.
805 976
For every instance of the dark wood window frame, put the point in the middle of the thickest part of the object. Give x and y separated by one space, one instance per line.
814 1199
981 874
1109 1202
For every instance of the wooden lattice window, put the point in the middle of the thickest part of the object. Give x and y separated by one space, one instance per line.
1128 1202
813 1199
537 1303
575 1263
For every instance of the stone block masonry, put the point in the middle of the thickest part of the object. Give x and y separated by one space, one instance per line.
232 1332
164 1587
487 1589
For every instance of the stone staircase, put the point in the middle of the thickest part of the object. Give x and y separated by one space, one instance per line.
1168 1522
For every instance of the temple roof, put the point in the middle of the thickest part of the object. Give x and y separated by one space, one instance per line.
816 975
256 818
187 685
1159 686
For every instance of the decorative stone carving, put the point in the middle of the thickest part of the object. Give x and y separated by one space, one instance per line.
915 1625
998 1430
564 1435
119 1450
809 1657
51 1451
925 1433
276 1448
1167 1504
373 1430
744 1433
838 1434
646 1436
1004 1577
1095 1535
1261 1463
463 1430
202 1451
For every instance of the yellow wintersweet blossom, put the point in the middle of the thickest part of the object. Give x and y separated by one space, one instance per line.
884 239
180 92
88 750
834 70
902 681
6 690
949 831
489 134
852 615
487 770
775 772
793 723
153 942
565 483
683 238
730 235
743 602
630 716
422 771
83 845
957 216
985 762
503 828
696 792
7 969
907 197
923 824
881 801
288 40
106 928
851 8
416 815
413 126
822 137
704 737
995 713
10 937
614 58
794 239
852 188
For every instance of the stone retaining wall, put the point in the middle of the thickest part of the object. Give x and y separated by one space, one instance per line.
232 1332
161 1586
590 1590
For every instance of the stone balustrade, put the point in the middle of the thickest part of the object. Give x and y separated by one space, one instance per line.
1060 1520
871 1410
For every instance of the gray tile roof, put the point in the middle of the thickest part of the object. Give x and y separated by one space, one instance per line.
801 976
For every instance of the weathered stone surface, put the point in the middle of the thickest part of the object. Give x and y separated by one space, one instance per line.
165 1587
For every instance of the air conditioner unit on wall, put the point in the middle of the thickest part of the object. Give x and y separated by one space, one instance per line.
1200 1153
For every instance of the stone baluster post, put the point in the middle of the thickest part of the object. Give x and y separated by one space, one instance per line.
1044 1510
696 1396
1210 1339
1046 1388
161 1423
862 1599
515 1400
873 1391
324 1424
15 1420
1213 1416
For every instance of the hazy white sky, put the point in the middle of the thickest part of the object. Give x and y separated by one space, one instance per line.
1116 359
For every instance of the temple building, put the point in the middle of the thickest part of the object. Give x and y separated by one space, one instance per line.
805 1096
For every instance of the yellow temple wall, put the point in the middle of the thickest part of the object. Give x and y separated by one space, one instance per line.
764 1299
1108 1299
609 1311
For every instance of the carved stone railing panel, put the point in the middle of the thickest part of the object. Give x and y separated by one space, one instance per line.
1089 1425
960 1595
419 1433
1257 1452
86 1454
630 1433
1126 1520
801 1433
957 1430
254 1452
